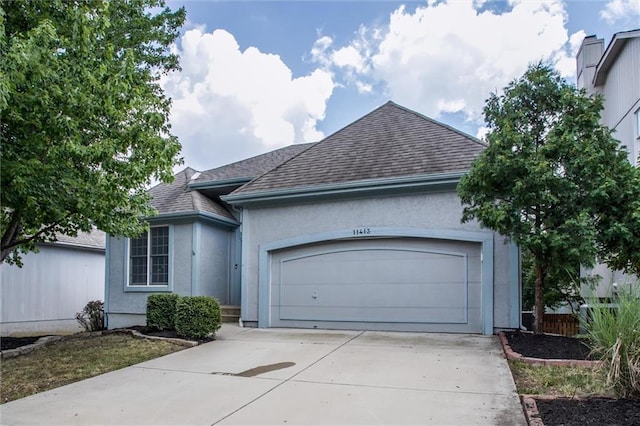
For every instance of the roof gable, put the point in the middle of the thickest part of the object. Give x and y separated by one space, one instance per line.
390 142
178 197
611 53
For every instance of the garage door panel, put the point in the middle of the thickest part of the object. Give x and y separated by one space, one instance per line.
474 268
401 282
474 295
374 266
398 294
433 315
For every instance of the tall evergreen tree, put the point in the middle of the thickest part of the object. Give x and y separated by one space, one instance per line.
552 178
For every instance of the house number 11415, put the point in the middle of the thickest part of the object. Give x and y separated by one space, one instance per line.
362 231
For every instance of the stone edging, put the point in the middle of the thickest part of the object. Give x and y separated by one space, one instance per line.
138 335
531 407
531 411
23 350
514 356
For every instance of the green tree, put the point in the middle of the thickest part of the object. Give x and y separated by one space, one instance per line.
562 285
550 177
83 120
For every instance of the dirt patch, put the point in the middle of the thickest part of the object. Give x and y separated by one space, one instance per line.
590 411
547 346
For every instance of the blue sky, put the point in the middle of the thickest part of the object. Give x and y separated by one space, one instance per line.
259 75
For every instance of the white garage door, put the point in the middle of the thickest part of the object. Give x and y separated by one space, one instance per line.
406 284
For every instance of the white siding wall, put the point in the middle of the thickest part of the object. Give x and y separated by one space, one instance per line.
622 96
44 295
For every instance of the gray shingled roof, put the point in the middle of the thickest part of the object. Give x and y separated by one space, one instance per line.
390 142
93 239
254 166
177 197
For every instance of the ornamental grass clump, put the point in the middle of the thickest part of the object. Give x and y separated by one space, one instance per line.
614 335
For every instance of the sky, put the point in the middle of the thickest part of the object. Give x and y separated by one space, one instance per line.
260 75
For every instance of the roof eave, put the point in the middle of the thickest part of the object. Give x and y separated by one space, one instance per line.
72 246
610 55
362 188
194 214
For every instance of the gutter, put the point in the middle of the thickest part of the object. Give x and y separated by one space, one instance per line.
356 188
221 220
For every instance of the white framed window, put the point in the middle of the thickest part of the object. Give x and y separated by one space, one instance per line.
149 258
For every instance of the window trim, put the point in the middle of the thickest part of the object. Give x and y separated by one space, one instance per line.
128 287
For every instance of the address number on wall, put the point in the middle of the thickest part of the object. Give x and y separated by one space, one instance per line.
362 231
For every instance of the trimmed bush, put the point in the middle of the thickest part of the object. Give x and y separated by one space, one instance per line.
161 311
92 316
614 335
197 317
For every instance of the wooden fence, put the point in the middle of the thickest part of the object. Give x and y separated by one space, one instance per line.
565 324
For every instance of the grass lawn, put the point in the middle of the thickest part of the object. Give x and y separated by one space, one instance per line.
71 360
559 381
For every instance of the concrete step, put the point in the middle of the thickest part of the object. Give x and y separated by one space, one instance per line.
230 313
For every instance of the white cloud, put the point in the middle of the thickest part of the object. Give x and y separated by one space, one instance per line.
230 104
447 57
349 57
621 10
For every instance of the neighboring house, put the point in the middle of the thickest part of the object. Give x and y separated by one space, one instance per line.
614 72
53 285
361 230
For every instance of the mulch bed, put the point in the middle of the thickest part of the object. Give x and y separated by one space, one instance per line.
547 346
566 411
590 411
7 343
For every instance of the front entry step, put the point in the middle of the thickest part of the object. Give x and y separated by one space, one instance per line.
230 313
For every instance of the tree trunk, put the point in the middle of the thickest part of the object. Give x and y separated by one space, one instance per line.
10 236
539 296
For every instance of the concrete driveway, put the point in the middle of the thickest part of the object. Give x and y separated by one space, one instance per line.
278 376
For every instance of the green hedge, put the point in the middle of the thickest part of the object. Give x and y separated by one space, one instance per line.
197 316
161 311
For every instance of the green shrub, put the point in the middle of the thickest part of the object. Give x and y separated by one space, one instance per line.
197 316
92 316
614 335
161 311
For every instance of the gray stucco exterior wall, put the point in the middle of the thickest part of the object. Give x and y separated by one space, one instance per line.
214 263
438 211
199 259
125 305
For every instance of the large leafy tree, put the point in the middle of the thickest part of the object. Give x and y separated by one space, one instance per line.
552 178
83 120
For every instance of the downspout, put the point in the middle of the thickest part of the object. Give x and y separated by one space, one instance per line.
107 262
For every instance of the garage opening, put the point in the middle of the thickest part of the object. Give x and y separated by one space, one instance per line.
405 284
